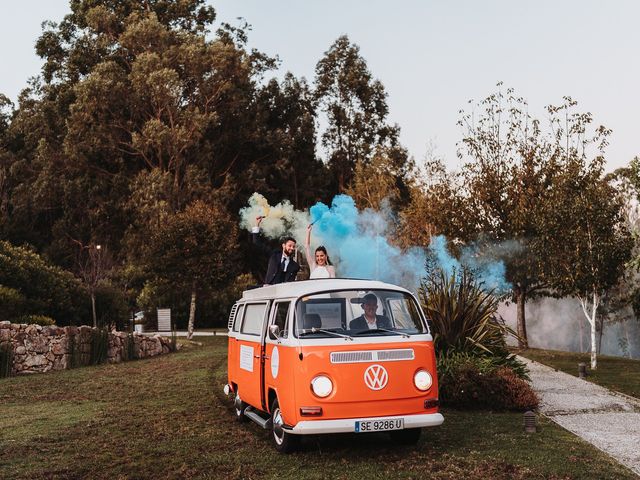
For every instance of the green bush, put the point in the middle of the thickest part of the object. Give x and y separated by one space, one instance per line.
483 384
30 286
12 301
111 307
42 320
450 362
35 287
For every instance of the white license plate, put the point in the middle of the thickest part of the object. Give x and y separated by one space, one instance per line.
381 425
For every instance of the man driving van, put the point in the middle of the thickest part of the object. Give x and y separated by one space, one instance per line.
369 320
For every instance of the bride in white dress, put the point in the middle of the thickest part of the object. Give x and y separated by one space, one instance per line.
319 264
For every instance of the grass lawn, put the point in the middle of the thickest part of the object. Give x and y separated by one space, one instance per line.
168 418
615 373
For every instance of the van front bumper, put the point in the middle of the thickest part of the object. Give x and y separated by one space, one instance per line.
310 427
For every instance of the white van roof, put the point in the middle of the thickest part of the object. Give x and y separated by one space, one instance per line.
308 287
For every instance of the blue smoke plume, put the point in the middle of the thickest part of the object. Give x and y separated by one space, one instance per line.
357 242
489 272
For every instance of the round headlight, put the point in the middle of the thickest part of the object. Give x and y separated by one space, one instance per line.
423 380
321 386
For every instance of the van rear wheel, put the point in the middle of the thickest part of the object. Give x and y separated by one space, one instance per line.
408 436
283 441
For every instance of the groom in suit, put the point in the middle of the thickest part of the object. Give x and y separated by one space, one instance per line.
282 267
369 320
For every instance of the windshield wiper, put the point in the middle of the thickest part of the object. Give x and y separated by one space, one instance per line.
322 330
377 330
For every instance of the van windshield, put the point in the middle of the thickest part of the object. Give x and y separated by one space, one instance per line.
358 313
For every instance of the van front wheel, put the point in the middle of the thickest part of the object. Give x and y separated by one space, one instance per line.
283 441
408 436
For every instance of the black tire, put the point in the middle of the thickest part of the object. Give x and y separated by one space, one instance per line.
408 436
283 441
239 407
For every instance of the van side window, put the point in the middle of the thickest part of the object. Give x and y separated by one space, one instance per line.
281 317
253 318
238 318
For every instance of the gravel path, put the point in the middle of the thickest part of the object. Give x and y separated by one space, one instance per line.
608 420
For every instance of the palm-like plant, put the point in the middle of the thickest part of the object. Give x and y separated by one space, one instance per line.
463 315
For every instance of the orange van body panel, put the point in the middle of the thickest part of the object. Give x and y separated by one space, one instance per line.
284 383
248 383
351 398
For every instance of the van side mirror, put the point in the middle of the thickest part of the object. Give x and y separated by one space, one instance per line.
274 332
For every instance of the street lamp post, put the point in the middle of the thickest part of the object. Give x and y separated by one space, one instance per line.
93 266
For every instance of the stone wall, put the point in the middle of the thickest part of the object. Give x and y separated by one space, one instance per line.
39 349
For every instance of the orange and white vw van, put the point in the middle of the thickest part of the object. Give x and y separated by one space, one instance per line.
304 360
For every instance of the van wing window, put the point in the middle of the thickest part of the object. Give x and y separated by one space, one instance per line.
253 318
281 316
400 314
238 318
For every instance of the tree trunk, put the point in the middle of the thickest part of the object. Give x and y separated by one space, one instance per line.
594 353
192 314
590 314
521 299
93 309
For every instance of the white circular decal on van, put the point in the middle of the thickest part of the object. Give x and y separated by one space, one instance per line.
376 377
275 362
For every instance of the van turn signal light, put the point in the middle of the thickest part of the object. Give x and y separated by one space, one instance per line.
431 403
311 411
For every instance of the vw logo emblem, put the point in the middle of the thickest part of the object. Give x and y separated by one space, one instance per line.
376 377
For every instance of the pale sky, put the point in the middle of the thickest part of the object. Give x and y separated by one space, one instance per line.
432 56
